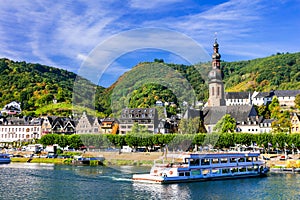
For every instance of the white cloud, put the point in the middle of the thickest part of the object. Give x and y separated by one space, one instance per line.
47 30
140 4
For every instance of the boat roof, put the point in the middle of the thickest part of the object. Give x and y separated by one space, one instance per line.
224 155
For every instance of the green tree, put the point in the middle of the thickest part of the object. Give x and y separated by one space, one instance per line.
225 124
297 101
189 126
75 141
274 108
49 139
139 136
281 125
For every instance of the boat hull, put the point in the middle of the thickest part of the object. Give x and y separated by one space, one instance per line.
4 159
146 178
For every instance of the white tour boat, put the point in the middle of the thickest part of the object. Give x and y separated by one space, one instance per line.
202 167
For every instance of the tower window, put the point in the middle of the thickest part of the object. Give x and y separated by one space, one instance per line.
213 91
218 91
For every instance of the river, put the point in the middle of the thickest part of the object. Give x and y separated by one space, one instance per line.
48 181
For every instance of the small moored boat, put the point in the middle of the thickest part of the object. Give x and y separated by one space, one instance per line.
4 158
202 167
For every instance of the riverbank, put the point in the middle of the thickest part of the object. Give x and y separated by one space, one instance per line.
148 159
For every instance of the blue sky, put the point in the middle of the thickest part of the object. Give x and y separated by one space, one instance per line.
64 33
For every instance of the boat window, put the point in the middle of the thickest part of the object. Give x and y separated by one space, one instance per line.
215 161
242 169
232 160
215 171
205 172
187 173
225 171
250 169
241 160
234 170
195 172
194 162
248 159
181 174
205 161
224 160
255 168
255 159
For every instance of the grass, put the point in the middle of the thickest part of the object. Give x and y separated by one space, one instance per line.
40 160
119 162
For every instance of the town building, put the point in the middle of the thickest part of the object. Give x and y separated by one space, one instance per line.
85 124
238 98
286 98
12 108
109 126
295 123
58 125
147 117
20 129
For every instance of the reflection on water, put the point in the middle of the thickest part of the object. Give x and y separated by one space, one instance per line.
29 166
158 191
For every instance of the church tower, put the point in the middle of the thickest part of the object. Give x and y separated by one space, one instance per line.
215 80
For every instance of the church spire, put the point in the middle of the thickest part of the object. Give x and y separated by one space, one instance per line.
216 56
215 80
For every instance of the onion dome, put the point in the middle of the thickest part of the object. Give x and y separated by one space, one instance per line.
216 56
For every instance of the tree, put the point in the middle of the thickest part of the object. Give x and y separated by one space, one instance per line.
139 136
49 139
281 125
190 126
75 141
263 110
183 126
225 124
297 101
274 108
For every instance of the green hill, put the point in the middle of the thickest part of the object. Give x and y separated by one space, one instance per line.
36 86
277 72
148 82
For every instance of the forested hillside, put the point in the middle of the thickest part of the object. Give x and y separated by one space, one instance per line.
148 82
36 86
277 72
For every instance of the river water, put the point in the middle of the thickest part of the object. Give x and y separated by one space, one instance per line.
47 181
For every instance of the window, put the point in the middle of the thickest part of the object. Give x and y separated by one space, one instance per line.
242 169
205 172
215 161
194 162
205 161
212 91
248 159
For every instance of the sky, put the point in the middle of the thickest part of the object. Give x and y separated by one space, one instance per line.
64 34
